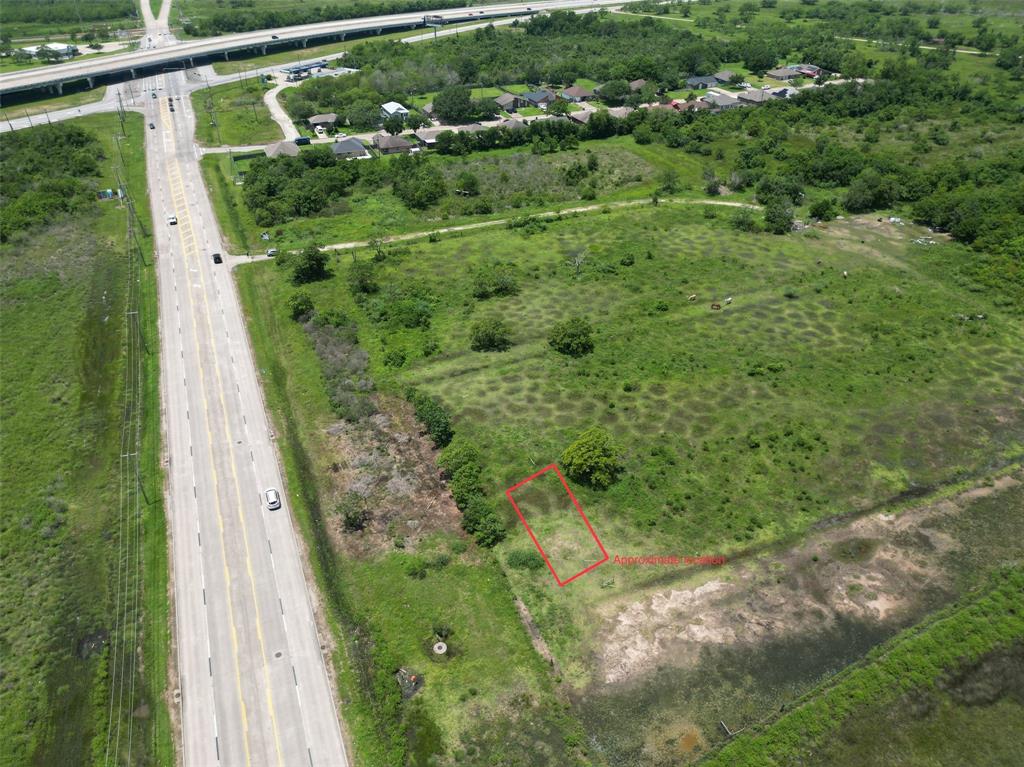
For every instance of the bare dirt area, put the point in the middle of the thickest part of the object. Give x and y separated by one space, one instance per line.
385 486
874 570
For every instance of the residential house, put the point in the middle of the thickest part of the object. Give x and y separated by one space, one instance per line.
393 109
540 99
582 117
689 106
724 76
784 92
325 121
785 74
58 50
388 144
428 109
755 96
509 102
512 124
636 85
575 94
719 100
701 81
807 70
427 137
282 149
620 113
472 128
349 149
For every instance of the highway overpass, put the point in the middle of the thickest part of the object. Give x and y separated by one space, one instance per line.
186 54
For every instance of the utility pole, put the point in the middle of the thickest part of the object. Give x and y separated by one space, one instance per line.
29 118
120 114
7 117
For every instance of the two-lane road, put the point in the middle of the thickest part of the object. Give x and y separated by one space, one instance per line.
254 687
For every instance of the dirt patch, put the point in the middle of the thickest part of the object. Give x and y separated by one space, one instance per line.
385 478
875 569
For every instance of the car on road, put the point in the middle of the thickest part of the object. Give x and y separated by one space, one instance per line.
302 141
272 252
172 220
153 94
217 258
273 499
274 37
151 126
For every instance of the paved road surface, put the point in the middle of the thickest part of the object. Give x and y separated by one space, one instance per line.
253 680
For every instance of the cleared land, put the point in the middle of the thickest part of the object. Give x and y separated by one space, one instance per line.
233 114
84 582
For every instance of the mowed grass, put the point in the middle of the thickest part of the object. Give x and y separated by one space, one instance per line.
12 111
234 114
70 560
492 696
810 395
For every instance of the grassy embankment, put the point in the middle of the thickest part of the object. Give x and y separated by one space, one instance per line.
41 106
945 692
83 578
494 695
234 114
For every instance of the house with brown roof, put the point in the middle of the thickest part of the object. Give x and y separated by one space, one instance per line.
636 85
327 120
512 124
724 76
755 96
575 94
582 117
387 144
282 149
509 102
785 74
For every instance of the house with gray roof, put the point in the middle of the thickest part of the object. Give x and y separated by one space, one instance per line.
349 149
282 149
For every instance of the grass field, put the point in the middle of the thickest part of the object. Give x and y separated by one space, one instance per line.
85 578
809 396
234 114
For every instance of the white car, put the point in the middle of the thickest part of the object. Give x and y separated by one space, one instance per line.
172 220
273 499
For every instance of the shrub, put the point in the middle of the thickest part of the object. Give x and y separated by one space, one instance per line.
458 454
300 305
480 520
465 484
574 337
498 280
824 209
592 458
433 416
778 216
308 266
395 358
361 279
352 511
490 335
524 559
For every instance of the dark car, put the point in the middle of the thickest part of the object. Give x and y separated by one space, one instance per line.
302 141
274 37
151 126
217 259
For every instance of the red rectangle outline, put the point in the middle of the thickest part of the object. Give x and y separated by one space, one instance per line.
508 494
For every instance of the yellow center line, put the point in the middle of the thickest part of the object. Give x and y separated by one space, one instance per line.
238 490
175 179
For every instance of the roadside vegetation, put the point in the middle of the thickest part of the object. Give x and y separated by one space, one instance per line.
84 626
85 18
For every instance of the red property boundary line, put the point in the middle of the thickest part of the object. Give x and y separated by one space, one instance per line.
508 494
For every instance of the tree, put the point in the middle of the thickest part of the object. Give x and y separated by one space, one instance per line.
615 91
559 108
300 305
469 184
361 278
823 209
490 335
574 337
394 125
454 104
778 216
308 266
431 413
592 459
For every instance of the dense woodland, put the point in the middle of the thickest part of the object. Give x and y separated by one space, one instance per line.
64 11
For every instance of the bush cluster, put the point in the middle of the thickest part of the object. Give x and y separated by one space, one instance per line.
431 413
461 462
574 337
490 335
593 459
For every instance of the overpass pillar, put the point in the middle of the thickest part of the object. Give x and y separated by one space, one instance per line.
132 71
225 55
305 42
58 88
191 63
342 36
379 30
263 50
91 81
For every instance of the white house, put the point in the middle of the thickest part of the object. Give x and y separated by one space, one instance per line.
62 50
391 109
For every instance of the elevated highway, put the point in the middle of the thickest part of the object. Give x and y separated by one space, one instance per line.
154 57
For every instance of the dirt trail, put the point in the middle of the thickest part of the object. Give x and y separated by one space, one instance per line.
872 569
